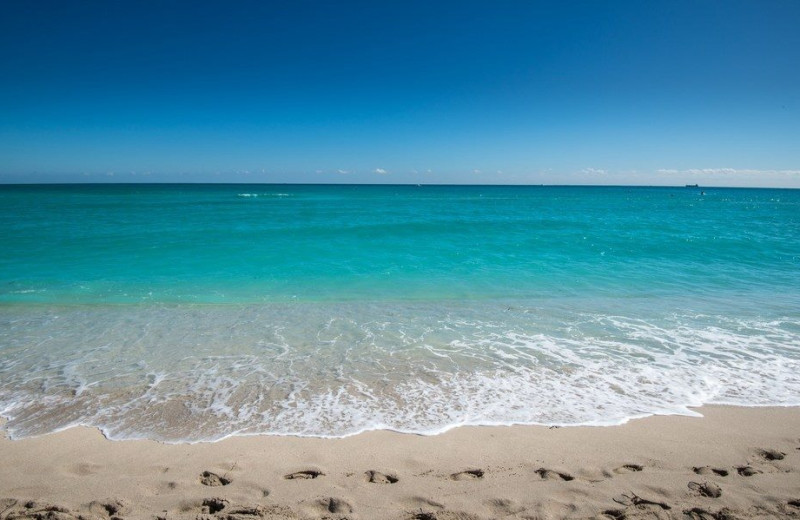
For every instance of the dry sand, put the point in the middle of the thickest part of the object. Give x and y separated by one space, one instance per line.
733 463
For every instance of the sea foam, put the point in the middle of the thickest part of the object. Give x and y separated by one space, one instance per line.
200 373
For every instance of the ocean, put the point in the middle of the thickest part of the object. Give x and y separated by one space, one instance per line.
186 313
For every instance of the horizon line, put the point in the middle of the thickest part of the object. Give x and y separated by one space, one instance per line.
532 185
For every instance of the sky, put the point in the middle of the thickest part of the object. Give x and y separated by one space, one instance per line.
504 92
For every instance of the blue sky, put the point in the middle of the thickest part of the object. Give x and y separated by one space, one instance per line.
423 92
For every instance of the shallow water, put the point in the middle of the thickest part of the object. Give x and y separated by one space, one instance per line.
186 313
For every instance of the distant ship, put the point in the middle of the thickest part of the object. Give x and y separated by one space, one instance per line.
692 186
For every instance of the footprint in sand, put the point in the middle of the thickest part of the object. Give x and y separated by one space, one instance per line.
794 503
708 470
771 455
747 471
698 513
212 506
254 511
706 489
376 477
441 515
220 508
549 474
422 515
470 474
336 506
504 507
304 475
635 500
33 510
111 508
208 478
628 468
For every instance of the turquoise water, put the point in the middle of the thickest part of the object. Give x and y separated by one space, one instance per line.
194 312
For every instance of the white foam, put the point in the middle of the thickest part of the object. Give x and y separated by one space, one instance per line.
187 374
256 195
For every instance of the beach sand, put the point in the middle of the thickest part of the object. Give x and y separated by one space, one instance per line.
732 463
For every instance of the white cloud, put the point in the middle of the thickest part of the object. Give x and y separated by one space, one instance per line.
729 171
594 171
343 172
476 171
380 171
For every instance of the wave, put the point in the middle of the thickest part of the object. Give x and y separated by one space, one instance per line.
256 195
203 373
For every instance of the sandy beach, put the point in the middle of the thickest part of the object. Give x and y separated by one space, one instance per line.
732 463
399 260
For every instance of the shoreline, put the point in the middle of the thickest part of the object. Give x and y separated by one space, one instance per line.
693 411
470 472
337 370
